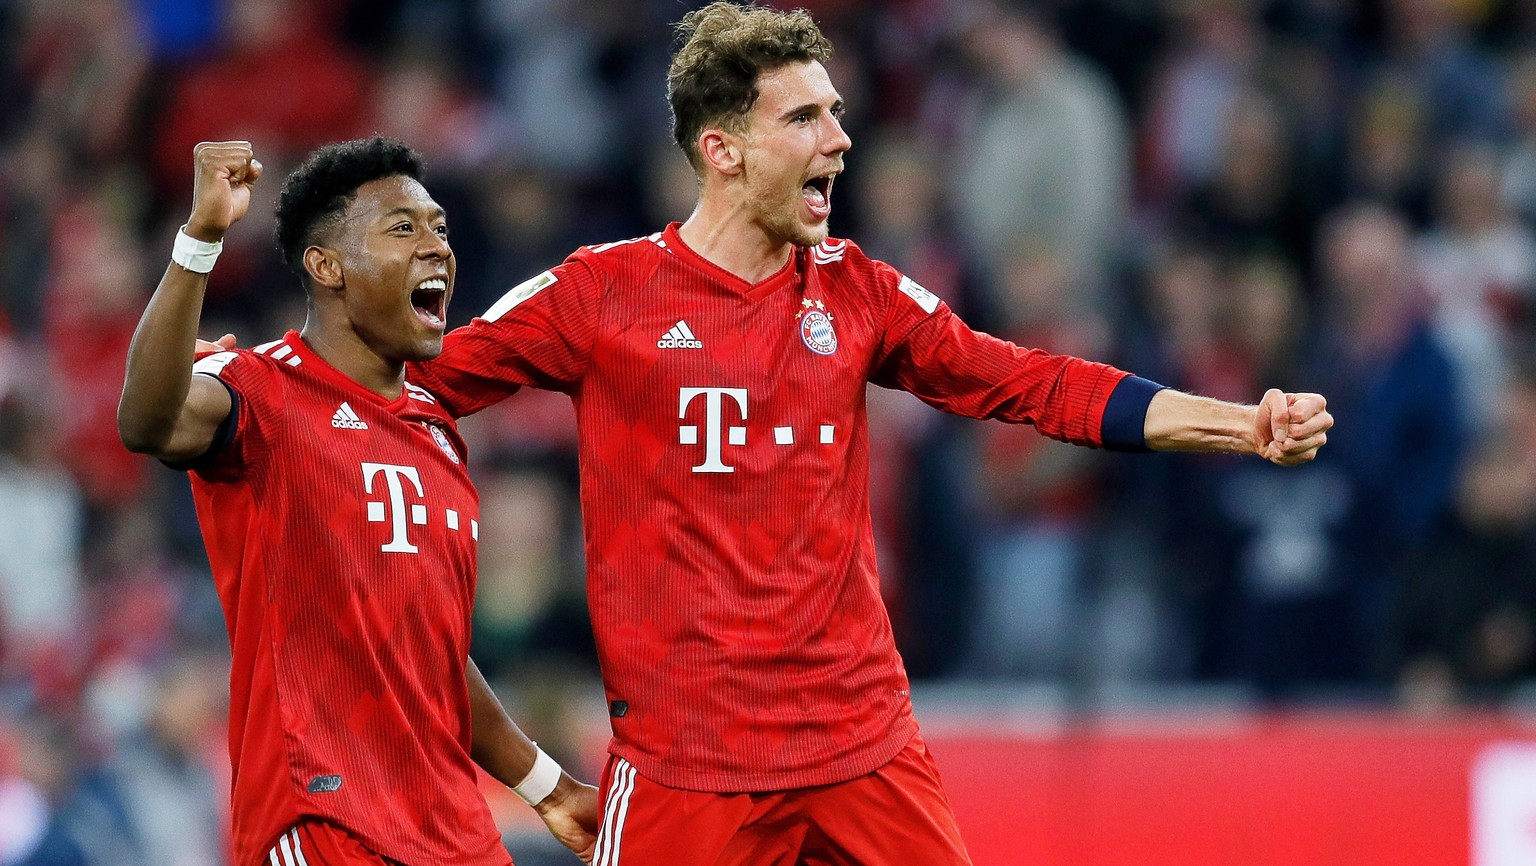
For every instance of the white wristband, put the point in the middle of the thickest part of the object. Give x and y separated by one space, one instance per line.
195 255
540 780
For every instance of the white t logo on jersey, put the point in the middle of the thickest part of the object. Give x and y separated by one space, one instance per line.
714 419
394 509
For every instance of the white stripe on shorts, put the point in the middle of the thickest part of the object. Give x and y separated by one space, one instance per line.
614 812
298 850
292 855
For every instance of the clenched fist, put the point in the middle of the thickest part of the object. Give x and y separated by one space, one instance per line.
221 190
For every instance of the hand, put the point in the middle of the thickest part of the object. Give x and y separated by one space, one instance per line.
570 812
1291 427
224 172
223 344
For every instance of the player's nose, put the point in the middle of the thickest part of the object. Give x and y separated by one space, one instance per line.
435 245
838 141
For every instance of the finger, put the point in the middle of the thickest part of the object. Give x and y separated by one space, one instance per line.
1306 404
231 158
244 169
1298 459
226 342
1310 443
1279 413
1303 429
1295 453
1292 459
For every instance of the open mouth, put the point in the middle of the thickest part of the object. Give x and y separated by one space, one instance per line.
430 301
818 195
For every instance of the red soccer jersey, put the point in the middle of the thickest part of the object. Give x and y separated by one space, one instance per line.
341 530
724 486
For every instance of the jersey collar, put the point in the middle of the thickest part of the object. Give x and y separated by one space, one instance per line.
786 275
317 366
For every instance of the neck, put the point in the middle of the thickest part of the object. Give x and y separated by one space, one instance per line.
343 349
724 233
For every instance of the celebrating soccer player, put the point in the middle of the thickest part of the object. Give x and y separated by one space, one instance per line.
341 527
760 711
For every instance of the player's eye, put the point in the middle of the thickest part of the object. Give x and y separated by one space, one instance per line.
401 227
442 231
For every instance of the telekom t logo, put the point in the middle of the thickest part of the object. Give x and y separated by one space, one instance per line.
714 419
394 509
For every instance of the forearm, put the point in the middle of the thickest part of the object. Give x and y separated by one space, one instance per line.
501 748
1176 421
498 745
159 374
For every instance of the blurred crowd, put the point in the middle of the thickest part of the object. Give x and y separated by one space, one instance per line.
1221 195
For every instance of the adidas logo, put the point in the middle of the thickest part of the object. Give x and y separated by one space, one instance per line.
679 338
346 419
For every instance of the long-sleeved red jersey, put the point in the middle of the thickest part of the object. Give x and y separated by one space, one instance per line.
724 485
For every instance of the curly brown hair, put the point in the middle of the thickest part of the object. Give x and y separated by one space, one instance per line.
726 46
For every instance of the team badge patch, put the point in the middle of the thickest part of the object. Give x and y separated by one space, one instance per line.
816 327
441 439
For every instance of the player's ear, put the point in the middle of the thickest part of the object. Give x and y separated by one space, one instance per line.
324 267
721 150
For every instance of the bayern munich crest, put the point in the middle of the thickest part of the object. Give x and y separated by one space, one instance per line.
816 328
442 442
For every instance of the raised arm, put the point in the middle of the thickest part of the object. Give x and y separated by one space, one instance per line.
165 411
499 746
1285 429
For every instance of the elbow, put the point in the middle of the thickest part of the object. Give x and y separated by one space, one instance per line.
141 435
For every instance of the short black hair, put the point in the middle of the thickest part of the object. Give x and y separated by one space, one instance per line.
317 193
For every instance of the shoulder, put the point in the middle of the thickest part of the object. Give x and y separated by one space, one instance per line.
842 259
425 402
587 271
258 362
620 255
843 262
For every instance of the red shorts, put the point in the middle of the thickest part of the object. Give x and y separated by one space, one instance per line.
896 815
315 843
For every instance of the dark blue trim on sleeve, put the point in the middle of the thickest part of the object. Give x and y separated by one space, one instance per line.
1125 414
224 435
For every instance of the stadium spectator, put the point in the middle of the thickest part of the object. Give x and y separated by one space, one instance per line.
1047 155
1479 266
1469 608
1385 487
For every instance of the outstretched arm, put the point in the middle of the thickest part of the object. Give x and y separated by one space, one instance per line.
165 411
569 809
1285 429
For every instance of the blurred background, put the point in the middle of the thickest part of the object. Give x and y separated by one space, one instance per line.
1163 652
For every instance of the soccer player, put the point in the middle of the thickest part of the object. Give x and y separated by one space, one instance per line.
759 708
341 527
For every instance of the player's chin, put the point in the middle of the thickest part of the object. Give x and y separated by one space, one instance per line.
430 349
810 234
423 348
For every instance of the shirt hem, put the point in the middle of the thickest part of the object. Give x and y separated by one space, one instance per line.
864 761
